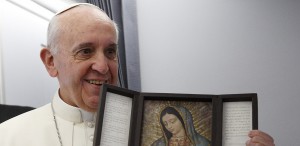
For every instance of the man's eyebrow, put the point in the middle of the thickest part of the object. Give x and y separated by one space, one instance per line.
82 45
88 44
113 45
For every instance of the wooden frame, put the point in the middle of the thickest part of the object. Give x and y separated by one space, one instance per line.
145 124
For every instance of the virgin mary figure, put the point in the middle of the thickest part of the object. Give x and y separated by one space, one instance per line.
178 129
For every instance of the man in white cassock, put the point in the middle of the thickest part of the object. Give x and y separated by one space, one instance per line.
82 54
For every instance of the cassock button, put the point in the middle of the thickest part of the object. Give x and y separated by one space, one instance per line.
92 138
90 124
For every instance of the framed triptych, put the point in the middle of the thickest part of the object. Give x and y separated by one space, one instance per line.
130 118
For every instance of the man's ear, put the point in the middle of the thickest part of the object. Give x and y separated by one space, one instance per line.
48 61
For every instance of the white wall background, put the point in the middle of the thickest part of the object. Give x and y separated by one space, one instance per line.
1 74
235 46
25 80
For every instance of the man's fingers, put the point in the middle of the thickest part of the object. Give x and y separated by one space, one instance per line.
260 134
259 138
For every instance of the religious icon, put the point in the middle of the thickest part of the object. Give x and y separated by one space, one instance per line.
174 123
162 119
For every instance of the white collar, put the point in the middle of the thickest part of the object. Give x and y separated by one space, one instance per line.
70 113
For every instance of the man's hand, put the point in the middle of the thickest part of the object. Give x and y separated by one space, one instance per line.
259 138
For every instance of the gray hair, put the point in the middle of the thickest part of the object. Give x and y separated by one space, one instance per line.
55 28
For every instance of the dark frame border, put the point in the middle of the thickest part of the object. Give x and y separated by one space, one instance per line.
138 110
235 98
100 113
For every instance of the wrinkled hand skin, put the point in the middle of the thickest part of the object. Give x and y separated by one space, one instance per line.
259 138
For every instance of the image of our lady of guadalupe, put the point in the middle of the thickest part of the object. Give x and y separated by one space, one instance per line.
178 129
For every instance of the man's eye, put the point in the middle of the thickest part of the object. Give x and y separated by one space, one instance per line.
111 53
84 53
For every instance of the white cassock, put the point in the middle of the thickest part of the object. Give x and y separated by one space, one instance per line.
37 127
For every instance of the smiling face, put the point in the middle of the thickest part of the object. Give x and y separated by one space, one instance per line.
86 56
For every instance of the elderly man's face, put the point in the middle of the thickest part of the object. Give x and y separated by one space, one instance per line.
86 58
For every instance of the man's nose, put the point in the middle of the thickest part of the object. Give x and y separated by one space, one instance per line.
100 64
